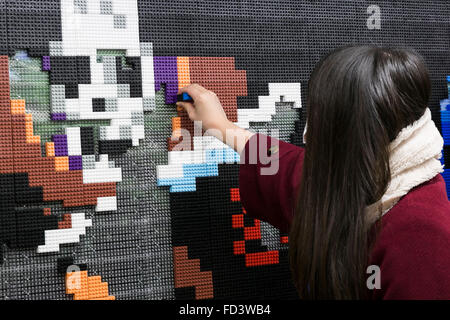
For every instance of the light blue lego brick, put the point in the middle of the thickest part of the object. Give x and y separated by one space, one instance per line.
183 188
215 156
176 181
231 156
200 170
445 105
448 78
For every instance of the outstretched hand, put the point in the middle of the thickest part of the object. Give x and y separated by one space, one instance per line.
208 109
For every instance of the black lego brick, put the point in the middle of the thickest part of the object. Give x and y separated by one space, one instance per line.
87 140
32 24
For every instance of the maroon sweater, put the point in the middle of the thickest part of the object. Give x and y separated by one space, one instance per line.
412 248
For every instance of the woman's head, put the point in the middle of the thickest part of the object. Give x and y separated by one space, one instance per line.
359 98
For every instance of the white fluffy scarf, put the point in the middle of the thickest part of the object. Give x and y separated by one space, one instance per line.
413 160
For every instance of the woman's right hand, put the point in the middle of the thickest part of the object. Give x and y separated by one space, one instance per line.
206 108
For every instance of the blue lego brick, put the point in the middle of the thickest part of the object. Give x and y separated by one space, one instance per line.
176 181
200 170
445 126
184 97
215 156
190 173
183 188
445 105
446 175
222 155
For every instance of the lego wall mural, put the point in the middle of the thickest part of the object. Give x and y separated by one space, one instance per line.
98 200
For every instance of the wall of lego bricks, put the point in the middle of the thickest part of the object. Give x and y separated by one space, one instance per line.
101 190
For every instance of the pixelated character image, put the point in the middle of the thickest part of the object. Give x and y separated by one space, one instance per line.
211 235
99 71
28 178
102 83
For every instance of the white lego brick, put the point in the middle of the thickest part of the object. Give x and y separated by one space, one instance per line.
198 143
121 122
126 105
72 106
267 104
73 141
110 133
102 175
290 91
103 162
97 71
175 157
148 80
169 171
69 28
137 133
243 119
106 204
210 142
198 156
54 238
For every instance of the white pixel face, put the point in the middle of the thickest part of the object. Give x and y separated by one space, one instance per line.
117 85
105 31
90 25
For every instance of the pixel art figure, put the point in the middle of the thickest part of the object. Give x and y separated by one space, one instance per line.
100 71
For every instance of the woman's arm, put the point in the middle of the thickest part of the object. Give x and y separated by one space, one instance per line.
270 169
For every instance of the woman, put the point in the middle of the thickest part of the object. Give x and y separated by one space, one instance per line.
365 191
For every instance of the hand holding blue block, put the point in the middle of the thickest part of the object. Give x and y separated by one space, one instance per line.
184 97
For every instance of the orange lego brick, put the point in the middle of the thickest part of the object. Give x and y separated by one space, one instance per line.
176 127
18 106
183 72
84 287
30 138
62 163
50 149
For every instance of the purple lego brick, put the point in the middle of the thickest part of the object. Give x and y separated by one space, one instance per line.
75 163
60 141
46 63
165 69
58 116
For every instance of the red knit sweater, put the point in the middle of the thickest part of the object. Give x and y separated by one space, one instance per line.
412 248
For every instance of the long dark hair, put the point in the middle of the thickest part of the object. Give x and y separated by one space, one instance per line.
359 98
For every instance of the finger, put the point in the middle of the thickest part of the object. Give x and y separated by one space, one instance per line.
189 107
194 90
